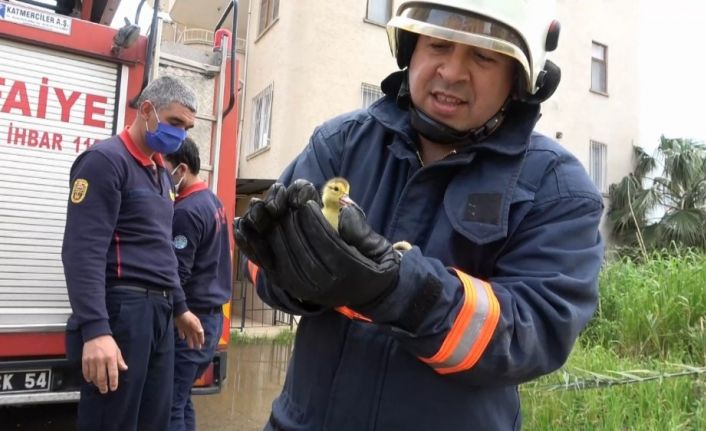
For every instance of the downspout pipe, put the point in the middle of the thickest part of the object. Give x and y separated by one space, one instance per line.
234 6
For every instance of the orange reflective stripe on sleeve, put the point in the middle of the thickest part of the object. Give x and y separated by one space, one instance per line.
353 315
472 329
253 270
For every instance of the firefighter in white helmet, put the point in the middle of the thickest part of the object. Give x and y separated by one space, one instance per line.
513 35
502 273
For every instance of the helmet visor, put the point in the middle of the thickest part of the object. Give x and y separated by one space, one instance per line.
461 27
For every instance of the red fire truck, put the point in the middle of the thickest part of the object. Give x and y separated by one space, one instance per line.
67 80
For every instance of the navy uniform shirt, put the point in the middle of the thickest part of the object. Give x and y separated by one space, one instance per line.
202 245
118 228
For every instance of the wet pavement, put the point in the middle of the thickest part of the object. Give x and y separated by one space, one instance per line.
255 377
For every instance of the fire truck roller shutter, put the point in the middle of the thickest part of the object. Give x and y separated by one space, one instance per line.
53 105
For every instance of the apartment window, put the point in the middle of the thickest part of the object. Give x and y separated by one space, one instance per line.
599 68
597 165
379 11
369 93
261 119
269 11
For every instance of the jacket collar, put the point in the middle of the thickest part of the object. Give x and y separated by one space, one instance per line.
511 138
196 187
136 153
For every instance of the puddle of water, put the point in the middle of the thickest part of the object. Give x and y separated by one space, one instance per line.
256 374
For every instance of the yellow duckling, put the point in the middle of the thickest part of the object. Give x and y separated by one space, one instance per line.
334 196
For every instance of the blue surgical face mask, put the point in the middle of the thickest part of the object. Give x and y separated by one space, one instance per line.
166 139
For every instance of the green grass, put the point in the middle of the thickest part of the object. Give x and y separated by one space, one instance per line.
653 309
669 404
651 317
285 336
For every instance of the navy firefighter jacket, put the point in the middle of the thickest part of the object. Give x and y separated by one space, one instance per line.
500 281
202 246
118 228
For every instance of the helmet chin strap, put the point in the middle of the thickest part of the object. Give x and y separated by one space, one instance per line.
439 132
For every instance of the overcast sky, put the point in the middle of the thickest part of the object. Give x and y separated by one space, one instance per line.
673 70
672 75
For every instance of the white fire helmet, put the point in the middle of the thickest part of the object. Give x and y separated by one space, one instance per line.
522 29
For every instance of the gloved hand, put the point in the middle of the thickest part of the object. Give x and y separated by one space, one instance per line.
250 230
292 241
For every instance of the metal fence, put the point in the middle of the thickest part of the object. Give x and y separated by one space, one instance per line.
248 309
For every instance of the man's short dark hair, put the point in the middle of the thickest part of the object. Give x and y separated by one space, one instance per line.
166 90
188 154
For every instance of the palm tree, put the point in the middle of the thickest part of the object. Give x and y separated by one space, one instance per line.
654 212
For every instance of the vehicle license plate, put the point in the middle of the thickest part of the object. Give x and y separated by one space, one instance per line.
24 381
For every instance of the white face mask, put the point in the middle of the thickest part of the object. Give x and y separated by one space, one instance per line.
178 184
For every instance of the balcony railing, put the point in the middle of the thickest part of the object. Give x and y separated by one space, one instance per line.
196 36
201 36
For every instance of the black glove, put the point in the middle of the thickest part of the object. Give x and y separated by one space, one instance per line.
251 230
302 254
316 264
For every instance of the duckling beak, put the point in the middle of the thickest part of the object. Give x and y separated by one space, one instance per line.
345 201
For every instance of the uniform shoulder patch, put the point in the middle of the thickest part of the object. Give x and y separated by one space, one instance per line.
180 242
79 190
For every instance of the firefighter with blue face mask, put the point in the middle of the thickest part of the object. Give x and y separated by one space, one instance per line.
121 270
502 273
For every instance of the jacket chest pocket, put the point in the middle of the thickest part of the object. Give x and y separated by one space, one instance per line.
140 193
472 236
148 203
485 204
484 218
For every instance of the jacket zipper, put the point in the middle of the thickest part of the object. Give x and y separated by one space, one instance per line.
377 396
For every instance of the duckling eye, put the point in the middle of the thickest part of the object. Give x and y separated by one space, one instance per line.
335 189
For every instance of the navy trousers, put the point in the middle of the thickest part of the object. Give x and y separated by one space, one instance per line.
143 328
189 364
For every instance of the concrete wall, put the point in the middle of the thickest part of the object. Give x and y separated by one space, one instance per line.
317 55
581 115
